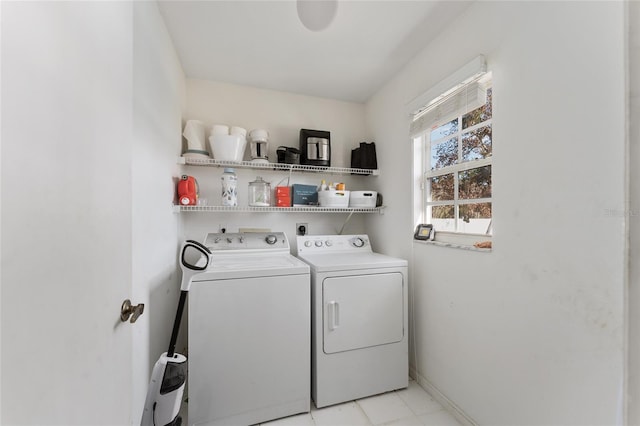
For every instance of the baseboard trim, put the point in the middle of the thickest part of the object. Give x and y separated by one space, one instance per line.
448 405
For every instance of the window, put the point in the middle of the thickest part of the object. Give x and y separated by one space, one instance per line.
453 143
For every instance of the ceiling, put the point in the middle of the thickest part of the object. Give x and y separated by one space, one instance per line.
263 43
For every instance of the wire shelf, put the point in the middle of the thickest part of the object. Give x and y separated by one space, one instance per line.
294 209
276 166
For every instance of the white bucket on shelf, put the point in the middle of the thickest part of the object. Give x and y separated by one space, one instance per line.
227 147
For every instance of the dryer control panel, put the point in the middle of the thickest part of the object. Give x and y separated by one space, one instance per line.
333 243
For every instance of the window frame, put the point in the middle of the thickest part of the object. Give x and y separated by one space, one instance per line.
423 149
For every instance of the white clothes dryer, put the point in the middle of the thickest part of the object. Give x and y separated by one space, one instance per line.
359 320
249 332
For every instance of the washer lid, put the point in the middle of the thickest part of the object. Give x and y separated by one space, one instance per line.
250 266
351 261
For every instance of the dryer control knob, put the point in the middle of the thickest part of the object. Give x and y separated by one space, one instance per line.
271 239
328 243
358 242
318 243
308 243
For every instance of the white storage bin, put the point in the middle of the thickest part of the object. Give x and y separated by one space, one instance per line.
332 198
363 199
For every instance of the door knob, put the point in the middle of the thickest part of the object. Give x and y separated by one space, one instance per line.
128 310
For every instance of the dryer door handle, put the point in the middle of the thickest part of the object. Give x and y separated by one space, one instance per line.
334 315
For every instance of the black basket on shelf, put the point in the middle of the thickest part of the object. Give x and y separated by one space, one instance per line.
364 157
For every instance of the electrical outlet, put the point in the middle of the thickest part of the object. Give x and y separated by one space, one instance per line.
302 228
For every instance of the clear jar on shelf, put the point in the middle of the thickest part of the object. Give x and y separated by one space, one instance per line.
259 193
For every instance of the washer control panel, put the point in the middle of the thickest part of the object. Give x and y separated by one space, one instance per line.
333 243
247 241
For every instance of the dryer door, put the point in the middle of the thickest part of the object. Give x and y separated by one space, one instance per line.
361 311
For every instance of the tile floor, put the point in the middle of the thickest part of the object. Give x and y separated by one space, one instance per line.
406 407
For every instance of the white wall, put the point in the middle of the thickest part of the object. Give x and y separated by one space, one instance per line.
533 332
159 97
632 215
283 115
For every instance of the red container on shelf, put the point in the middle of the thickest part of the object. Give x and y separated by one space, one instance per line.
187 191
283 196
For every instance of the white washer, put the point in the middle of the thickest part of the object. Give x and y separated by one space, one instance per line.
249 332
359 326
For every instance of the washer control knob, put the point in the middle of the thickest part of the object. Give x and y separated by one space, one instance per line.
318 243
328 243
229 240
358 242
271 239
308 243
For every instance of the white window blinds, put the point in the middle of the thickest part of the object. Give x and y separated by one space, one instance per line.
446 107
462 91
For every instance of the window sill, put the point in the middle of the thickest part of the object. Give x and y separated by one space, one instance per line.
453 245
458 241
